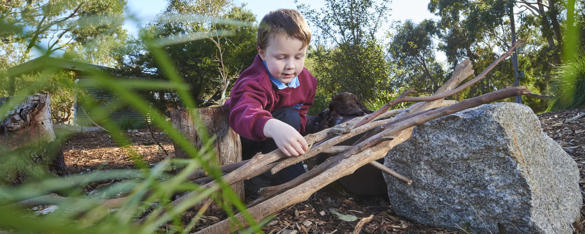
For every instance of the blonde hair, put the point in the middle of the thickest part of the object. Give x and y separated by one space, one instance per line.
283 20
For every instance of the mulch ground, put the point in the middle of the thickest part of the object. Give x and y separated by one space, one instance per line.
331 210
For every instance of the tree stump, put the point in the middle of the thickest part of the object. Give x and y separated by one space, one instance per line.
26 133
227 143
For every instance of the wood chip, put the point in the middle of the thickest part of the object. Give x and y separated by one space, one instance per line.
360 224
578 116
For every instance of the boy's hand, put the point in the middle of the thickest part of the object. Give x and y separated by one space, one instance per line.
288 140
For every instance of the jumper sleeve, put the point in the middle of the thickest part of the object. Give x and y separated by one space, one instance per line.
248 116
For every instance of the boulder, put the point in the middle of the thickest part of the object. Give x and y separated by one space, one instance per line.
488 169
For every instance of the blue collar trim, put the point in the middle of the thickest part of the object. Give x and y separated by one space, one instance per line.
293 84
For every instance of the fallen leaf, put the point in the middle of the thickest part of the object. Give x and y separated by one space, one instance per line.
344 217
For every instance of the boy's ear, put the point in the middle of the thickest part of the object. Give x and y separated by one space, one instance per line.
260 52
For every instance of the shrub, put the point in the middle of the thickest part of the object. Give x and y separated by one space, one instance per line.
568 85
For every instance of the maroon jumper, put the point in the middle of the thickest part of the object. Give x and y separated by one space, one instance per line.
254 96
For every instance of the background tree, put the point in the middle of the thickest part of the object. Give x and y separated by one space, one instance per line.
85 30
347 56
413 54
480 30
209 66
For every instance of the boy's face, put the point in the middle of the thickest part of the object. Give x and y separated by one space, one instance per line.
284 57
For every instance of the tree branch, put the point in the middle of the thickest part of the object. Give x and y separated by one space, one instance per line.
442 95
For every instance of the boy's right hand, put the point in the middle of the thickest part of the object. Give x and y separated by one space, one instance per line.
287 139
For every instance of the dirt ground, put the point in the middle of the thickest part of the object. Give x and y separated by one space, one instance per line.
324 211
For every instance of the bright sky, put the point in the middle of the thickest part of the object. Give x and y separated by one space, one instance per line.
146 10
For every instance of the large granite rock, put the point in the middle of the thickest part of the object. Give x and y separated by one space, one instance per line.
487 169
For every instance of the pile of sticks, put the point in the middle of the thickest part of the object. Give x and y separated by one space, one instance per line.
382 131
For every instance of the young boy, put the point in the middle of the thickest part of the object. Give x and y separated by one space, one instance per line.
271 98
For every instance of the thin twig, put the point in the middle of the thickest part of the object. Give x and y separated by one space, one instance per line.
155 139
360 224
404 98
391 172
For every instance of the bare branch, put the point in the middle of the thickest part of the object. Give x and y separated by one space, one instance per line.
445 94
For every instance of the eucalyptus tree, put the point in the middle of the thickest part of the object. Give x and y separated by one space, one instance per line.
413 54
88 30
210 43
481 29
347 56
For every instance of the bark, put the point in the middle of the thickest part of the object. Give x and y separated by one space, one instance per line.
553 15
227 143
27 136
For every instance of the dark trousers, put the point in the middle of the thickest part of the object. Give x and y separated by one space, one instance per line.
249 148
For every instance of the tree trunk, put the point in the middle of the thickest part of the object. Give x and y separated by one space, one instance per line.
27 137
545 24
227 144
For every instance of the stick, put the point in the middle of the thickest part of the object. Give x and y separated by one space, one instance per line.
478 78
360 225
391 172
263 162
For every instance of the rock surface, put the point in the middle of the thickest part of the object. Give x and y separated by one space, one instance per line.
487 169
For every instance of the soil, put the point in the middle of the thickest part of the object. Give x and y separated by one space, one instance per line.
331 210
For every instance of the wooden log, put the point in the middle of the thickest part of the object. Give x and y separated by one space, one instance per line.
28 122
26 134
227 143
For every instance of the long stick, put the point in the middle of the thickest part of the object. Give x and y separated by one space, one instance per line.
478 78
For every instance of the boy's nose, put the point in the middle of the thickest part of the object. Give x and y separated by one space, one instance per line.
289 64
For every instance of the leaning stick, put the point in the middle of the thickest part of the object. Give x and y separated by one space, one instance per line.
478 78
462 72
263 162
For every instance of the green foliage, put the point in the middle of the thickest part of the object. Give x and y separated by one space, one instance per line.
149 190
414 57
84 30
569 81
209 66
481 30
569 85
347 57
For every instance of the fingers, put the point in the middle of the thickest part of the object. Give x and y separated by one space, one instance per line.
295 146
